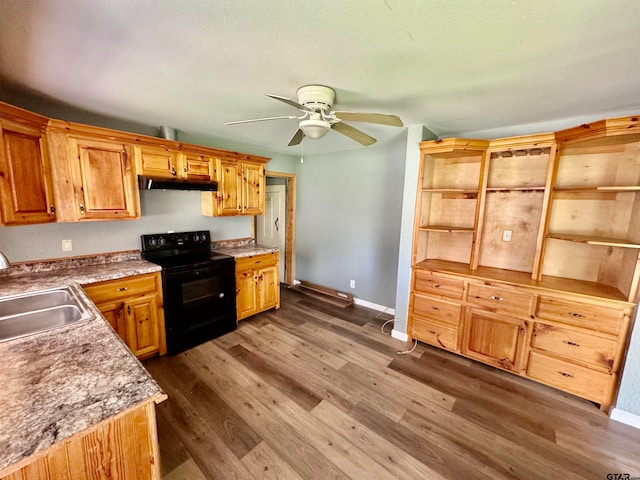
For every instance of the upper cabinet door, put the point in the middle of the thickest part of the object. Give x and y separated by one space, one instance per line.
229 195
253 188
104 180
25 182
157 161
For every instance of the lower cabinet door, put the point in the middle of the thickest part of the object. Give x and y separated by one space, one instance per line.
268 288
246 296
114 314
494 339
142 326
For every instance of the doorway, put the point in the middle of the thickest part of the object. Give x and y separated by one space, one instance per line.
277 226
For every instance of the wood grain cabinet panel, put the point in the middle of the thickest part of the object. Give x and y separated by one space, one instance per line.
498 340
133 307
434 332
26 192
580 314
576 379
575 345
501 299
257 284
123 447
427 282
445 312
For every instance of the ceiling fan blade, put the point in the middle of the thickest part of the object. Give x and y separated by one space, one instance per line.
353 133
288 101
296 139
379 118
290 117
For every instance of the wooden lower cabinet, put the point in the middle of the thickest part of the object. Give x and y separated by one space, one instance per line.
573 342
494 339
124 446
133 307
257 284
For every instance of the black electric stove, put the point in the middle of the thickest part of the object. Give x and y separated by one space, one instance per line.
198 287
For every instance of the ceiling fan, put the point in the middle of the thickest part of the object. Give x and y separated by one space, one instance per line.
315 102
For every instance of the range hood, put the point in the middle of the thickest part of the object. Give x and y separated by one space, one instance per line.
157 183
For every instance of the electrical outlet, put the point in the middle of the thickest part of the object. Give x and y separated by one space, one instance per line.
67 245
506 235
352 284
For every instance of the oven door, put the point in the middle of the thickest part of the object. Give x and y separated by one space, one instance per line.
199 303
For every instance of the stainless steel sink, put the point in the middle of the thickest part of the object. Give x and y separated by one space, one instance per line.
35 312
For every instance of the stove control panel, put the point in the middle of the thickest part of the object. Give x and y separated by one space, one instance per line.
172 241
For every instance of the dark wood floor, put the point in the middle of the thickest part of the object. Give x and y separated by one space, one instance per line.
314 391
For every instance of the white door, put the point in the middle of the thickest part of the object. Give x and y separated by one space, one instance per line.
271 226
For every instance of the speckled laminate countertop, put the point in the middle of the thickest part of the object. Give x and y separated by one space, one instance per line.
58 383
245 250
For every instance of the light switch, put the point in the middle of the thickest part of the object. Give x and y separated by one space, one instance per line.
506 235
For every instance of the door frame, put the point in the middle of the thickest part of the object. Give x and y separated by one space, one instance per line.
290 237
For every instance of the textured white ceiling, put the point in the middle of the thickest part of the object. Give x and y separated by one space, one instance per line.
459 67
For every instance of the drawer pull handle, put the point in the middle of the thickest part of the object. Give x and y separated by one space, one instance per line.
437 285
571 344
435 308
495 297
577 315
565 374
123 289
433 332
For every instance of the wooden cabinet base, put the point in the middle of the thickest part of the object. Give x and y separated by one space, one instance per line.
257 284
124 447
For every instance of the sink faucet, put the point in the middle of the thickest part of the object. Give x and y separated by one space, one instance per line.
4 262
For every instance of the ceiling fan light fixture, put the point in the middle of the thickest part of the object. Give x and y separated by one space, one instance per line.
314 128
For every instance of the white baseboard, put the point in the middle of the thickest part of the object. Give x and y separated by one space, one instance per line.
375 306
398 335
625 417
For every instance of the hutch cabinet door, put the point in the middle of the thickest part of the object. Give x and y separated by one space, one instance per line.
494 339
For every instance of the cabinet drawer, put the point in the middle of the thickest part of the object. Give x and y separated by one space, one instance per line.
575 344
435 333
256 261
501 300
427 282
125 288
429 307
569 377
580 314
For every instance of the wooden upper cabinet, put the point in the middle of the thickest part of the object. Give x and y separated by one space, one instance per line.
25 180
165 162
241 188
156 161
253 185
93 179
197 166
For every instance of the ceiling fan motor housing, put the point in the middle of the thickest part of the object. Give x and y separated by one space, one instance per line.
317 97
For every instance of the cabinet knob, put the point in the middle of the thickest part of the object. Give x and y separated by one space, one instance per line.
577 315
173 170
497 298
435 308
123 289
82 209
128 309
437 285
570 343
565 374
52 209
